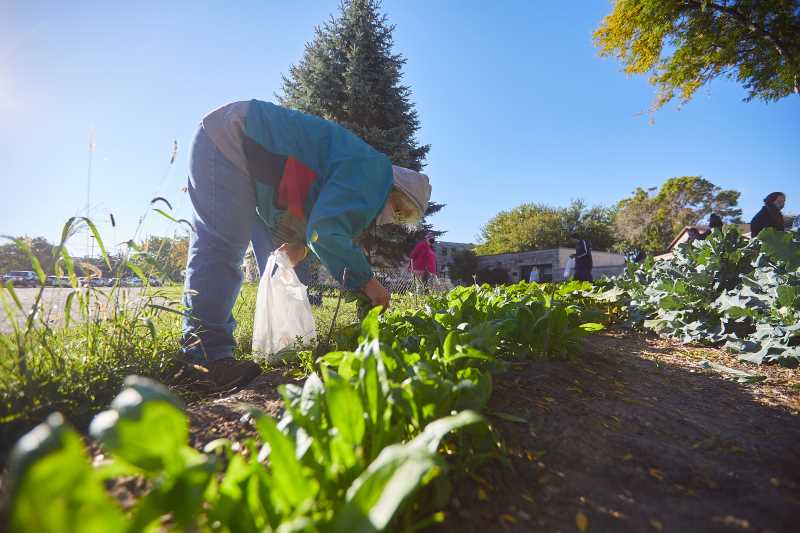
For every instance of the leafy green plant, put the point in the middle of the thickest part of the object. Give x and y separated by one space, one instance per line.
724 290
365 443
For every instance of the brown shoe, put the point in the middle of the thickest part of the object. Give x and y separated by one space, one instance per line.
229 372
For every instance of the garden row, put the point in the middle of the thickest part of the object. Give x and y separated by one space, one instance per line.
725 290
372 439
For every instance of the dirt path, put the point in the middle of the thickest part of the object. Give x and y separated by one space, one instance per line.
635 437
631 436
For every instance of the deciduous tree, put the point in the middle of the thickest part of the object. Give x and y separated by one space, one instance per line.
683 44
538 226
649 222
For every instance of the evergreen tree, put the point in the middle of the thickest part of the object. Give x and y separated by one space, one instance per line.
350 75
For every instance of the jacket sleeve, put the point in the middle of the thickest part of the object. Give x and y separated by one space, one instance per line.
757 224
351 198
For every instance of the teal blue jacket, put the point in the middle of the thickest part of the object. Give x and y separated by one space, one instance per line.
316 182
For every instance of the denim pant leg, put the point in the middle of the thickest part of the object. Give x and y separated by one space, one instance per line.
263 244
223 202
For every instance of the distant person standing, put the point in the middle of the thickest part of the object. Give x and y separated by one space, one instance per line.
714 222
770 215
534 275
583 259
423 259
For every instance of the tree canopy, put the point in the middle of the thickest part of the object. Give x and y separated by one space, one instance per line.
684 44
538 226
649 222
163 257
12 257
464 266
349 74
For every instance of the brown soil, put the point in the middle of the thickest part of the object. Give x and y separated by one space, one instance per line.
223 417
634 436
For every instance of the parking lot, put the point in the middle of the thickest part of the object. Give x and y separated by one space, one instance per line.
52 305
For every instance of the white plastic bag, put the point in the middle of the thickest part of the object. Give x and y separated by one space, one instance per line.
569 268
283 313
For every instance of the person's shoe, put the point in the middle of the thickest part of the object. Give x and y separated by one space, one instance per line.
229 372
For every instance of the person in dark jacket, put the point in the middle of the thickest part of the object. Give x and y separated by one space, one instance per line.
714 222
770 215
583 259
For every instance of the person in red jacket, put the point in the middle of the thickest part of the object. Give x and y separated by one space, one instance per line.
423 258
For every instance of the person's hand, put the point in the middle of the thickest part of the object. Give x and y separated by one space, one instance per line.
296 252
377 293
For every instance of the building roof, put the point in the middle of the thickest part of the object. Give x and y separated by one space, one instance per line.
456 244
744 229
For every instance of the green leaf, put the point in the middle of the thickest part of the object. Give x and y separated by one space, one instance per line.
73 279
292 486
165 215
136 270
68 307
374 498
436 430
398 472
779 246
144 427
787 295
53 486
99 240
13 292
345 409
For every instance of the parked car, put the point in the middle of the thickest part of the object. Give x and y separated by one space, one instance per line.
21 278
155 282
58 281
99 282
131 281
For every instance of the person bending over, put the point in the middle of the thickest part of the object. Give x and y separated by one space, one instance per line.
277 177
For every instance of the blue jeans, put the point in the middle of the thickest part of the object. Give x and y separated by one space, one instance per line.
225 222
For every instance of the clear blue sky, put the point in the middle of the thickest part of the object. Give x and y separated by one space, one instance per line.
512 96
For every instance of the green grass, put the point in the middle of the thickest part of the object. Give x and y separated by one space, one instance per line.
78 368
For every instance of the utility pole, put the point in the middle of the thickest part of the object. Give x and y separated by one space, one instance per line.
89 236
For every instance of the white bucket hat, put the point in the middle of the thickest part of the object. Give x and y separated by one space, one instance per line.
415 185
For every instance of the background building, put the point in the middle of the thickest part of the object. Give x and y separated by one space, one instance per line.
551 263
445 252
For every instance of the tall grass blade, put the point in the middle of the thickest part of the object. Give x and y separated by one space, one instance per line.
99 240
161 199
